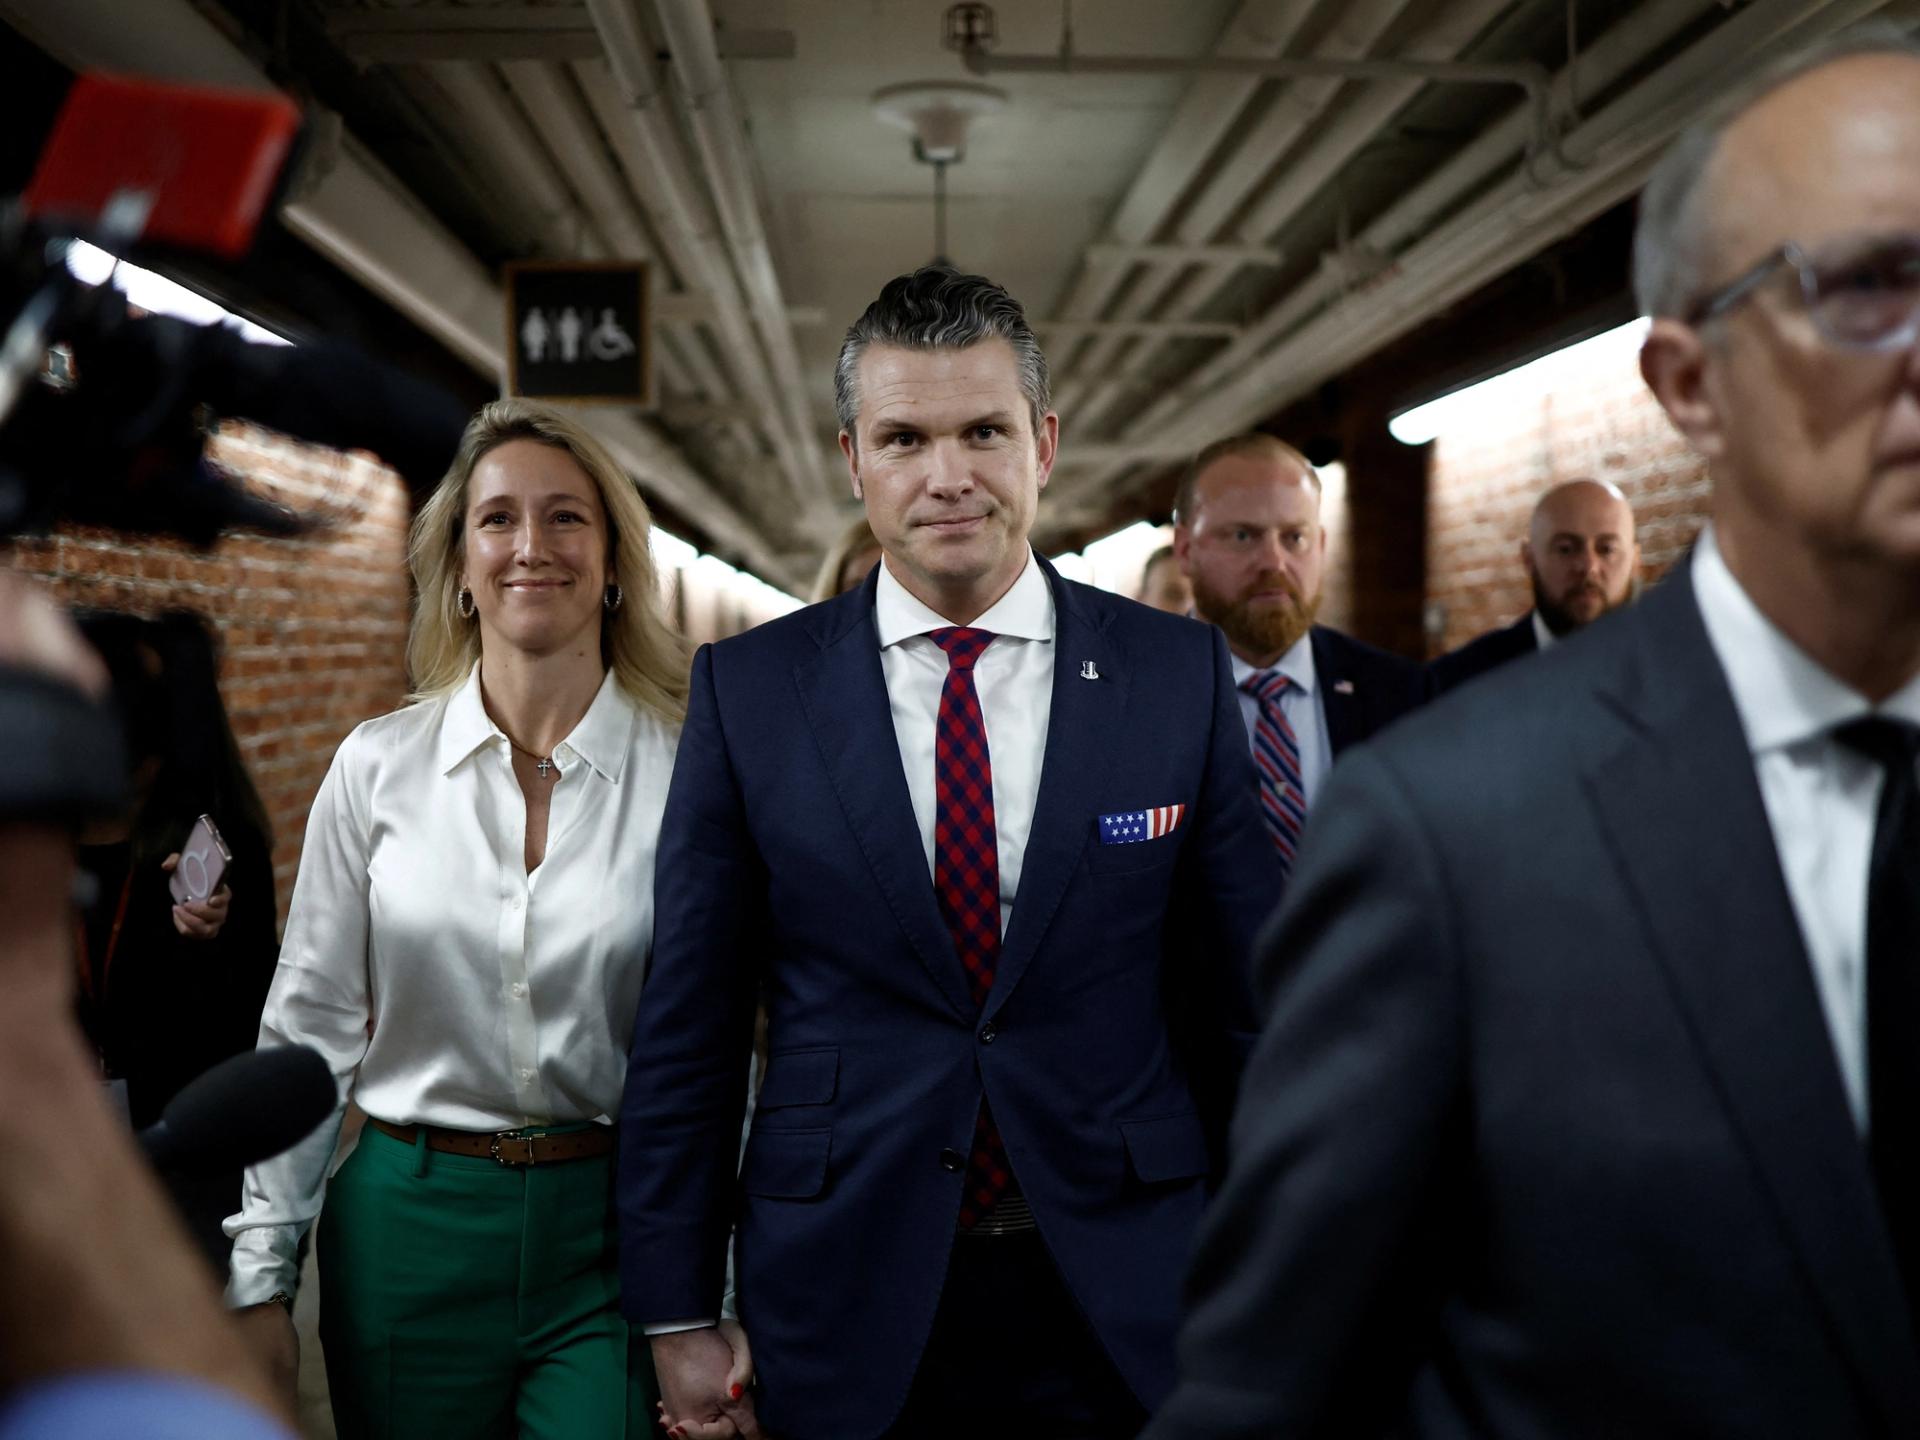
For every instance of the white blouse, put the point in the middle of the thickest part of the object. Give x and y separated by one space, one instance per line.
443 983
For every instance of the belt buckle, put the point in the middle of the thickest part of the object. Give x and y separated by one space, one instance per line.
512 1137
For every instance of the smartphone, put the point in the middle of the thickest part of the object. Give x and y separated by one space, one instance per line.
203 863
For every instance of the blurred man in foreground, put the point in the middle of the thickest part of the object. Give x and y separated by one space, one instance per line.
1589 1104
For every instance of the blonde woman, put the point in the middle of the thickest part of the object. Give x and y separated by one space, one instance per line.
847 563
468 933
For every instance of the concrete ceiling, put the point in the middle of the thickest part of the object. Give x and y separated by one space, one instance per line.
1232 238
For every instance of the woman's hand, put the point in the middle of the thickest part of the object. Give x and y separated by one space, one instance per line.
199 919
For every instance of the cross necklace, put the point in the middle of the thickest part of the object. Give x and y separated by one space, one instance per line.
542 763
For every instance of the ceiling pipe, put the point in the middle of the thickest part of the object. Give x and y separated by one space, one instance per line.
1616 148
1294 110
625 99
721 141
350 209
1204 116
1318 162
1613 54
489 131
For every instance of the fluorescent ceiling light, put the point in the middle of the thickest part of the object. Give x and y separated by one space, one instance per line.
671 553
1493 402
158 295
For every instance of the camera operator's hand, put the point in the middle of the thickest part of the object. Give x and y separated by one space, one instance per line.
100 1277
199 919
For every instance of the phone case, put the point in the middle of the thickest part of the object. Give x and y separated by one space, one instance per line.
203 862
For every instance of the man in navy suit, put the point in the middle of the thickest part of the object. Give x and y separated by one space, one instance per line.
984 842
1581 558
1589 1105
1247 533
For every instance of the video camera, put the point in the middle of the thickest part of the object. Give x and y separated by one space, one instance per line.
104 411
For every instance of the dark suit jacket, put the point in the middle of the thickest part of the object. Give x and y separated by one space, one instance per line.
1120 1015
1362 689
1545 1136
1487 652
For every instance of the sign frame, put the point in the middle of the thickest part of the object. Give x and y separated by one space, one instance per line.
643 339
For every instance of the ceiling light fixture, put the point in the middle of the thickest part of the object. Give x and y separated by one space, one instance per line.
937 114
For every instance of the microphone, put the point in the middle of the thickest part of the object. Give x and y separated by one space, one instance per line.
247 1108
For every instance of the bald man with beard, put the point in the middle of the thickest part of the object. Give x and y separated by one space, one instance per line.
1582 558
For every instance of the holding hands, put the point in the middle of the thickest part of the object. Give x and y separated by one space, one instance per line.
704 1376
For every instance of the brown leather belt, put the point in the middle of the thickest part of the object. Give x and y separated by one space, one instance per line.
509 1147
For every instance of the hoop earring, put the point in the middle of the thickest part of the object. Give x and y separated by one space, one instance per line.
464 603
612 598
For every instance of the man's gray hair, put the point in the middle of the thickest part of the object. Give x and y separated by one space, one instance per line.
938 308
1673 263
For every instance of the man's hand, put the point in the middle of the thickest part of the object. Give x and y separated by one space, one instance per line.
199 919
703 1383
269 1334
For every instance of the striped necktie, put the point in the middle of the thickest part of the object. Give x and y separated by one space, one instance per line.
966 876
1276 756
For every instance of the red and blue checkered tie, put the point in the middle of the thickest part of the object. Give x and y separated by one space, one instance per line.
1276 755
966 874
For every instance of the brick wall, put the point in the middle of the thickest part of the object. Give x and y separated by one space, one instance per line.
313 630
1481 490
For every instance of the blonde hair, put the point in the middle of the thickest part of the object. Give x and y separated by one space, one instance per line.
857 538
647 658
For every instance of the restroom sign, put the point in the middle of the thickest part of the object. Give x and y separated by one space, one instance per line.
577 330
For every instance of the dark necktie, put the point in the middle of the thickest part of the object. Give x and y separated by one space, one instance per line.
1893 987
1276 756
966 874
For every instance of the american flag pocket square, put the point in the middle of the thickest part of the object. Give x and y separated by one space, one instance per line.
1130 827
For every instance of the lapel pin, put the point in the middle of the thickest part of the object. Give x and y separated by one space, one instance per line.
1343 687
1088 670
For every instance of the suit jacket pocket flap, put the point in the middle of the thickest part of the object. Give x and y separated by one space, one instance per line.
786 1164
800 1077
1171 1147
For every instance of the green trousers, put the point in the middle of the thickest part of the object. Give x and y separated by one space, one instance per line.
463 1298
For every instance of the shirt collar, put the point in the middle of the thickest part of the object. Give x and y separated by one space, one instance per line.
1025 612
1783 695
1296 665
602 738
1543 636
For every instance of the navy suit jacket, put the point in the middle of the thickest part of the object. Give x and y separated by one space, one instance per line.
1545 1136
791 866
1362 689
1484 653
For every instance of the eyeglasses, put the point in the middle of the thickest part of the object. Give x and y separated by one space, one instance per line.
1862 293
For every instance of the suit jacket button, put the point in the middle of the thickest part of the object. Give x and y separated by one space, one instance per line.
987 1032
952 1160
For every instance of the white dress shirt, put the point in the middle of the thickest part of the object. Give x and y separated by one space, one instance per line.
1300 703
443 983
1821 796
1014 680
1543 638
